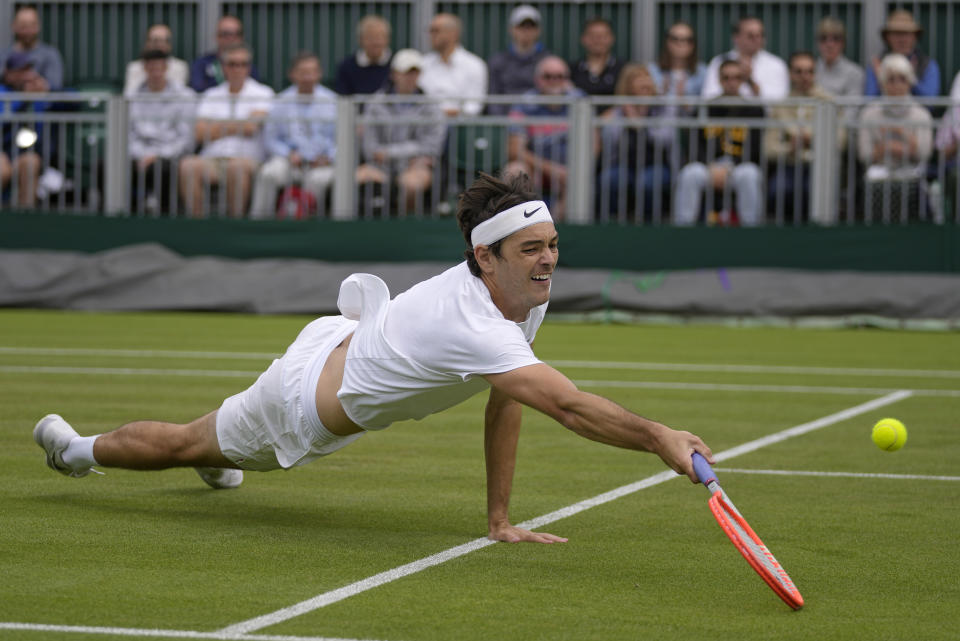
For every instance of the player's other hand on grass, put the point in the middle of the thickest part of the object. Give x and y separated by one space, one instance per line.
513 534
676 448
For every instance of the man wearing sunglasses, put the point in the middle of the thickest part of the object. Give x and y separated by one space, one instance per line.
836 74
207 70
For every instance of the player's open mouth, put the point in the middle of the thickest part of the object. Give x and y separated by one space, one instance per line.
540 277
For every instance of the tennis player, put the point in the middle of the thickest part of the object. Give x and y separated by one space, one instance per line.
445 339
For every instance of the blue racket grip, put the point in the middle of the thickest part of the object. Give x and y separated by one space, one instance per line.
703 469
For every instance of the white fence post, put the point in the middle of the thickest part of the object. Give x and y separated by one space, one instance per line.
580 163
116 176
824 167
344 189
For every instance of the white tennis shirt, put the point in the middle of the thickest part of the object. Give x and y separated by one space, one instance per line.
427 349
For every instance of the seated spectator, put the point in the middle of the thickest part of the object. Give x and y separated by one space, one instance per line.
789 149
836 74
160 132
678 71
207 71
725 154
596 74
27 145
300 136
895 154
540 150
368 69
633 159
764 74
159 38
901 35
229 118
948 144
452 72
45 60
512 71
955 89
408 151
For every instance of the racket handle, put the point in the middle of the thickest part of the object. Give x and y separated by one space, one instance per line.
703 469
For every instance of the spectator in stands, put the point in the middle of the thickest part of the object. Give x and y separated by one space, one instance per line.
229 118
27 145
368 69
895 154
45 60
901 35
725 154
408 151
948 144
764 74
159 38
207 71
300 136
540 150
596 74
160 131
678 71
836 74
955 89
633 158
789 149
452 72
512 71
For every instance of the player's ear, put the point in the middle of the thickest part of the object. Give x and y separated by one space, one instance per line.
484 258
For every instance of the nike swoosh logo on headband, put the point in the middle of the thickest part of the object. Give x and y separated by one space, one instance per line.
527 214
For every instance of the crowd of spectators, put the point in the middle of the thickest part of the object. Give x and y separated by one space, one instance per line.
210 135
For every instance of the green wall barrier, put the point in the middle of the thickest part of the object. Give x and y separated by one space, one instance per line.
907 248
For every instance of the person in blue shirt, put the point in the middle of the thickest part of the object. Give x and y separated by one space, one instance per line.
300 137
368 69
511 72
44 58
901 34
27 145
207 70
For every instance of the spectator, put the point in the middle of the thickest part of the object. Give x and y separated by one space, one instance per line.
228 123
540 150
789 149
901 35
948 144
597 73
633 158
367 70
678 71
301 137
764 74
408 150
45 60
451 71
26 144
955 89
726 153
895 154
835 73
160 131
512 71
207 71
159 38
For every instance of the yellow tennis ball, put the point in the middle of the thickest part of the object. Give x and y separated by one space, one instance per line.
889 434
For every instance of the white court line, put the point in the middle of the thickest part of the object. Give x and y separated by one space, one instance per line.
662 367
163 634
852 475
353 589
665 385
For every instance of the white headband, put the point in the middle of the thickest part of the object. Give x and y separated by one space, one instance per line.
510 221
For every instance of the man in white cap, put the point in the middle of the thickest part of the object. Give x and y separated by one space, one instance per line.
512 71
468 329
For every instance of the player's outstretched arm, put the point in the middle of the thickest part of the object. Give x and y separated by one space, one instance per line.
501 433
597 418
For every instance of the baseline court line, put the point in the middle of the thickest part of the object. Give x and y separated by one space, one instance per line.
851 475
163 634
358 587
629 365
666 385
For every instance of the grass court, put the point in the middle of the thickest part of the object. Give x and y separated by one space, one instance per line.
384 539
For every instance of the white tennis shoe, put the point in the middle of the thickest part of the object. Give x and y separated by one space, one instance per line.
220 478
54 434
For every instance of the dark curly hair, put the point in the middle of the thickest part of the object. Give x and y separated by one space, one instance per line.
486 197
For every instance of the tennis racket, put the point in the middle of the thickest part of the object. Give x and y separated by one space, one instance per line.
744 538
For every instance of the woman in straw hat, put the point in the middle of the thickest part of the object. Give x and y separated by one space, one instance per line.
901 34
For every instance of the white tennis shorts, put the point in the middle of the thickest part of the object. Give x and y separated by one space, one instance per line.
273 423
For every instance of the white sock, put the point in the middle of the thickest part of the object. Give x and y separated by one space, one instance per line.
79 454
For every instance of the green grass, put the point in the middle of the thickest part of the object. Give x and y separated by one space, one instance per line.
875 558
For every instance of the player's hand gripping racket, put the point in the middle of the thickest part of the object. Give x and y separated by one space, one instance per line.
744 538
